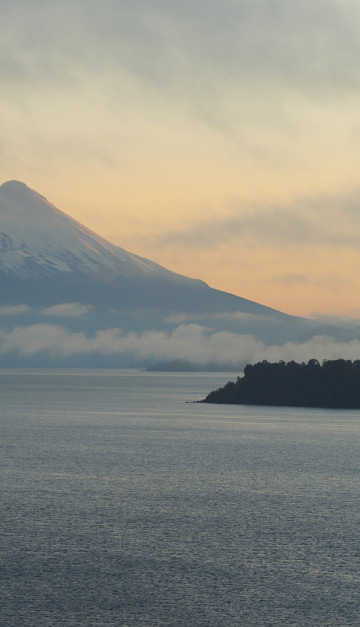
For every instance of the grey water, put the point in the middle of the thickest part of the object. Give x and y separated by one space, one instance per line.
121 504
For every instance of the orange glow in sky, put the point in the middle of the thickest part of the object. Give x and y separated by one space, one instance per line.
220 140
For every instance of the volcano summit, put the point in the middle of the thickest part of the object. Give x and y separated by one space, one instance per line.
55 259
56 272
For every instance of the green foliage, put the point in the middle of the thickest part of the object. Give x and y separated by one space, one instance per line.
334 384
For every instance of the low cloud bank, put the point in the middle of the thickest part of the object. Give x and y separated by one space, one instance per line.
347 322
62 310
65 310
191 342
229 316
14 310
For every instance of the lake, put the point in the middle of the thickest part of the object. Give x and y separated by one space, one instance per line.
124 505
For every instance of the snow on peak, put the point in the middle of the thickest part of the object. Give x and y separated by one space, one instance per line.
36 238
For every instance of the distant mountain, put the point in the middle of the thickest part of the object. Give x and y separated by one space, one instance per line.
42 247
39 240
54 270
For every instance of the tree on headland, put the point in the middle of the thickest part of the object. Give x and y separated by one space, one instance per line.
332 384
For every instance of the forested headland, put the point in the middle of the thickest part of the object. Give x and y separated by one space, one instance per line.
332 384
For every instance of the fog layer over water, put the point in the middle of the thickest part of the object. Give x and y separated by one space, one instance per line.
124 505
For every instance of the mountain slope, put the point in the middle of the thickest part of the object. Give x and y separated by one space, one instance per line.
49 257
64 290
37 239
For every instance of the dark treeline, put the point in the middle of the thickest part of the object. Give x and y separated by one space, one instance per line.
334 384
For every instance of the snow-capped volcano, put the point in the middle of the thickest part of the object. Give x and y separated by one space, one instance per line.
47 258
36 238
65 291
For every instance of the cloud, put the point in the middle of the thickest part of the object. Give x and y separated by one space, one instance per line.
119 76
208 318
348 322
258 226
322 221
66 310
290 279
192 342
307 44
14 310
63 310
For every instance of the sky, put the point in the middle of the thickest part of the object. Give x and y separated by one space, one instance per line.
219 138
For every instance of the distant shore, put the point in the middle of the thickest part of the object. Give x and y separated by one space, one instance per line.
180 365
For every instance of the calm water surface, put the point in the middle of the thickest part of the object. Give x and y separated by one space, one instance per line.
124 505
